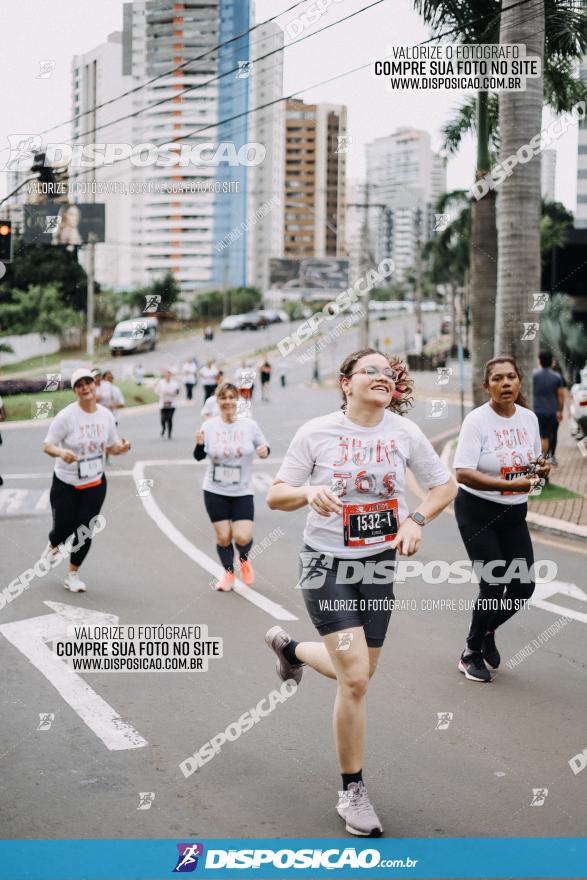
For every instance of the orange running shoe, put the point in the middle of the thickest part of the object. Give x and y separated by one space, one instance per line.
226 583
247 573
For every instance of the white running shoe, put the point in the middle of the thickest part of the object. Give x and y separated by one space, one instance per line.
74 583
357 811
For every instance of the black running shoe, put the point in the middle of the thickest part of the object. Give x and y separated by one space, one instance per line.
473 667
489 651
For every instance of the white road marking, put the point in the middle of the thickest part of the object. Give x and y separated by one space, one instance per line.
30 638
544 590
198 556
11 500
43 504
24 502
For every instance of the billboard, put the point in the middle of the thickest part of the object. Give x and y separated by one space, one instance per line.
314 274
69 224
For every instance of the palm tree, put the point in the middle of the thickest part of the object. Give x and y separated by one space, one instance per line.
479 22
518 216
555 32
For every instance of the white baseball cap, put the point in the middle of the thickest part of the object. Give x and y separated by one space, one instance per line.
81 373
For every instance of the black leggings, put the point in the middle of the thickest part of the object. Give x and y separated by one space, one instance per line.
167 419
73 508
492 531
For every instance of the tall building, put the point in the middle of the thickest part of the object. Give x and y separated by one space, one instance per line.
173 210
406 176
97 77
364 226
548 174
581 212
266 180
230 263
315 180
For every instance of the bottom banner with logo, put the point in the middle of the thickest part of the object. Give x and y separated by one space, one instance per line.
285 858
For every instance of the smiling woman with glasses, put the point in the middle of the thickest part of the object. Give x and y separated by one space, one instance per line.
349 467
371 370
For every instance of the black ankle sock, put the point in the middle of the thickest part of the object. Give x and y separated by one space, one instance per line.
347 778
289 653
226 556
243 550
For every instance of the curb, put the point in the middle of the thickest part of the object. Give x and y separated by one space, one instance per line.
538 521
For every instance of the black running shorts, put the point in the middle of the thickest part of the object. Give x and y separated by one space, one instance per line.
342 593
231 507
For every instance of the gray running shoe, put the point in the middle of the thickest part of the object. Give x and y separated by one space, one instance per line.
276 638
357 811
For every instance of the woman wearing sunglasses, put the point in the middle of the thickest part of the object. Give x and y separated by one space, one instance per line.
349 467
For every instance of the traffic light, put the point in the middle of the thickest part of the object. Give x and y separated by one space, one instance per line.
5 241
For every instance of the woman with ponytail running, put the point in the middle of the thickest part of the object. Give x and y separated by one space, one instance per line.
498 464
349 468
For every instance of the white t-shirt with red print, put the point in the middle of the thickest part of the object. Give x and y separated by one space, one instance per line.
369 465
230 449
88 435
495 445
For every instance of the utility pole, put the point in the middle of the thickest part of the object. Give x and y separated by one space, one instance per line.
418 343
90 288
92 237
367 259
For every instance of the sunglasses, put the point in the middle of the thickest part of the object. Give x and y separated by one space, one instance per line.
372 372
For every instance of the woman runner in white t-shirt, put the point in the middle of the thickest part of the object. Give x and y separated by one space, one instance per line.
167 390
497 463
230 444
349 467
79 437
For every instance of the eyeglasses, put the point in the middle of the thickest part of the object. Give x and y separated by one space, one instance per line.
372 371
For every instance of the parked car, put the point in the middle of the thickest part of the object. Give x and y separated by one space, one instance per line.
274 316
579 406
232 322
138 334
254 320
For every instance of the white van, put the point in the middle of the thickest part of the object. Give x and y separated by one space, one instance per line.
137 334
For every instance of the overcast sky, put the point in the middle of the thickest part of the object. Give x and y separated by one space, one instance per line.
36 30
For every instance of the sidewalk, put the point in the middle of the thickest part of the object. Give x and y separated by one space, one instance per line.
571 474
568 516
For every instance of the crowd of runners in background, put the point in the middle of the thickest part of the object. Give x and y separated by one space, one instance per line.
348 468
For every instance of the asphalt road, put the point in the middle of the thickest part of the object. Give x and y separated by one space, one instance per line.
229 346
152 564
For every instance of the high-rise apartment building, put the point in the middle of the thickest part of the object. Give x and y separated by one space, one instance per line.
364 226
266 180
173 211
97 77
548 174
405 175
581 212
230 216
205 221
315 175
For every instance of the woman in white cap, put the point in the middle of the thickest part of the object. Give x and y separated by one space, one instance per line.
79 437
